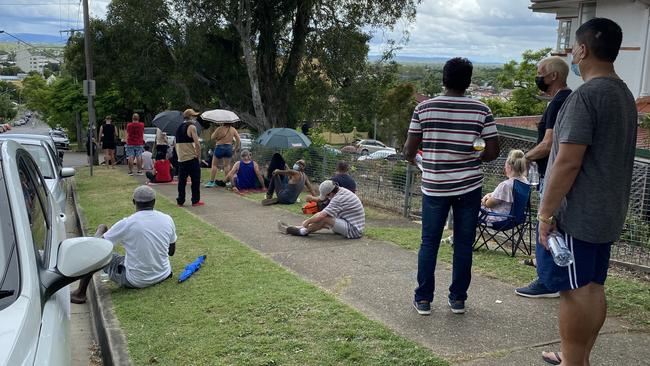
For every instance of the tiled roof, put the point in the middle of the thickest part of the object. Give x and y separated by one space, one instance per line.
527 122
643 104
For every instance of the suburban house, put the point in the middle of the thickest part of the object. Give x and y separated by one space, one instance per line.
633 62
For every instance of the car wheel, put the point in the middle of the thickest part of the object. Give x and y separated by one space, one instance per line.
364 152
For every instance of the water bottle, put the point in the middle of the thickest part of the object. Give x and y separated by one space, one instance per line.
533 174
562 256
418 161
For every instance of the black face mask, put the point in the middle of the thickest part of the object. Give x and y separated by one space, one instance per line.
539 80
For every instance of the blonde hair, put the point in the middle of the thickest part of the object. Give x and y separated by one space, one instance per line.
517 162
556 64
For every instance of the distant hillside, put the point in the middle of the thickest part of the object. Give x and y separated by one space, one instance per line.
40 39
433 60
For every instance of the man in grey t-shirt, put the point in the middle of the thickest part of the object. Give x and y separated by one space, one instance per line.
589 177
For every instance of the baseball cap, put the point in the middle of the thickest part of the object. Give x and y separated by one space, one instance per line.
144 194
326 188
190 113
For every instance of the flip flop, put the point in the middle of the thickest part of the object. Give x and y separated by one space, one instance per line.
553 361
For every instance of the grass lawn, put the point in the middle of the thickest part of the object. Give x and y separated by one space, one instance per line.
240 308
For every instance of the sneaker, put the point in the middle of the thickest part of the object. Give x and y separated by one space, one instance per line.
180 204
422 307
536 289
210 184
131 174
456 306
220 183
282 227
140 172
269 201
200 203
292 230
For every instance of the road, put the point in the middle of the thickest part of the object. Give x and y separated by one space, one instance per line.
70 158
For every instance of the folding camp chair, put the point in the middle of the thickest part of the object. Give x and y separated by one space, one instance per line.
512 227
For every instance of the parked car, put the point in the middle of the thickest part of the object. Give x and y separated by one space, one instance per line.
61 140
370 146
49 163
377 155
349 149
332 150
38 263
246 140
150 137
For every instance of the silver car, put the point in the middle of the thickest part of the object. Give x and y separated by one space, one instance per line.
49 163
369 146
37 263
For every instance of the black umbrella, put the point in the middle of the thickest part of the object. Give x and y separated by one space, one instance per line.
169 121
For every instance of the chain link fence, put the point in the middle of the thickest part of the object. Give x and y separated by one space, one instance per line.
394 185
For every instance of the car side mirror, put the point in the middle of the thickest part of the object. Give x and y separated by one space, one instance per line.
76 258
67 172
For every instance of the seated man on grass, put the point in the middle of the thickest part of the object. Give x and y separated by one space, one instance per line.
342 178
287 192
148 237
162 171
344 215
244 174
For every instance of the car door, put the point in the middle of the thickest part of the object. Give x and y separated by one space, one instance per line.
61 184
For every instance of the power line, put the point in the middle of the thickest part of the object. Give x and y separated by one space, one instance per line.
58 58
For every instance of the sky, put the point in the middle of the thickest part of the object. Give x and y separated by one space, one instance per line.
482 30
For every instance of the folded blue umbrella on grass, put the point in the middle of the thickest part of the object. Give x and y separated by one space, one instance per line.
191 268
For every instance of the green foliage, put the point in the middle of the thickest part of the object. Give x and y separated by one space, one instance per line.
398 176
10 70
9 89
7 109
500 108
520 76
395 110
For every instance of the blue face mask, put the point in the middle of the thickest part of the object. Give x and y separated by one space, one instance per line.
296 166
575 67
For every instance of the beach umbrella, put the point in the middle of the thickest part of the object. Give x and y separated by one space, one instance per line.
191 268
168 121
283 138
220 116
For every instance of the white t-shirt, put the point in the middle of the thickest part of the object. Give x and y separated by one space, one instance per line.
146 236
147 160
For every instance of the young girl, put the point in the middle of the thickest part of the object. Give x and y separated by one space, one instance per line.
501 199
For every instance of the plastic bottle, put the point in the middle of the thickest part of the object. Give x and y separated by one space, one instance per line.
533 174
562 256
418 161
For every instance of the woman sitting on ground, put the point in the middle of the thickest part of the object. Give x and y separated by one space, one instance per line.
501 199
277 163
162 171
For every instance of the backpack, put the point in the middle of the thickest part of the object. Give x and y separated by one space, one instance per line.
310 208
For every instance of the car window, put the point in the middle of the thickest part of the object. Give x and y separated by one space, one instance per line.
54 157
9 268
150 130
42 159
35 195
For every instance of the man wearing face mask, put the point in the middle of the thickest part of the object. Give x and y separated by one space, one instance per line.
551 78
287 192
188 149
587 190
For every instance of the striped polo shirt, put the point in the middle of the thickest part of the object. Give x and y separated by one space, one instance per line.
345 205
449 126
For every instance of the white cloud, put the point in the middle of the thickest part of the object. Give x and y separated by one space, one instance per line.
484 30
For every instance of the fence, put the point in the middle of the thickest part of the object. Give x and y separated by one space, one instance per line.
394 185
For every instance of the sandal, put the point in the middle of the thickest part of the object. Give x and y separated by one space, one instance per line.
555 360
528 262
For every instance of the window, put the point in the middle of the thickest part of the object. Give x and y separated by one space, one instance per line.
564 35
9 267
587 12
42 159
35 195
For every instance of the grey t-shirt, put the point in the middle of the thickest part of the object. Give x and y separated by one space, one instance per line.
601 114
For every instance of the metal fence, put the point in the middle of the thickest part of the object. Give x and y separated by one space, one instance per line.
394 185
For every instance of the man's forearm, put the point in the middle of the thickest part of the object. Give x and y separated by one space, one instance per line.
563 175
539 152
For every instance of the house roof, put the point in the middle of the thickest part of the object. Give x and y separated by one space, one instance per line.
552 6
420 97
643 104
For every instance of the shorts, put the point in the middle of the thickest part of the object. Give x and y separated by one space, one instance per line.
117 272
108 145
341 227
591 262
134 151
223 151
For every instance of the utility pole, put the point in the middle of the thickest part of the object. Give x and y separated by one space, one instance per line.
89 84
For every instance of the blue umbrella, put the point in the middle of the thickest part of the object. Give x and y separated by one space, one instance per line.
283 138
191 268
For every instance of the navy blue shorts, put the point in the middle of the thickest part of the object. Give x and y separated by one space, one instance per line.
591 262
223 151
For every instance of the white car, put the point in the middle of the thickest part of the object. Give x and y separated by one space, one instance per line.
61 139
49 163
246 140
368 146
377 155
37 263
150 137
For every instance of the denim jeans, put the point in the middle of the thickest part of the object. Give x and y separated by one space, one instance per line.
434 214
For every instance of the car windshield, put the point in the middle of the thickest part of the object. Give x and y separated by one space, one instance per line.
42 159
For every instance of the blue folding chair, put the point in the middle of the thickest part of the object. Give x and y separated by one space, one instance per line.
512 227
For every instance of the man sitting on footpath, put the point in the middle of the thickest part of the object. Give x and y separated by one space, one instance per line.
287 192
344 214
244 174
149 238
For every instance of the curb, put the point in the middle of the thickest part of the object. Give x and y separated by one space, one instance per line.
108 333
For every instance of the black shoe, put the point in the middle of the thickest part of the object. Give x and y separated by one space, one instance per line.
269 201
456 306
422 307
220 183
536 289
292 230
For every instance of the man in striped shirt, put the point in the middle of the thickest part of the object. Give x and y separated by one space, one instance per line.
344 214
448 127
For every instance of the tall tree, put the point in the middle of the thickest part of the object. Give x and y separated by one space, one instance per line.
521 77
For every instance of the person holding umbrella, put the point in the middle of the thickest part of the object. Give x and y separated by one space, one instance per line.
188 149
223 136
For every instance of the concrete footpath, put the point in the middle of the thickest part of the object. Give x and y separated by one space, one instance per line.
378 279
